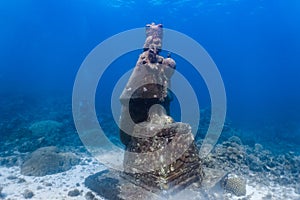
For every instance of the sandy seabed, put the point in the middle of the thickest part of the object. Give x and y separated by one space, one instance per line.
59 185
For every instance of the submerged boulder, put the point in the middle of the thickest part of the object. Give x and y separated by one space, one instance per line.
48 160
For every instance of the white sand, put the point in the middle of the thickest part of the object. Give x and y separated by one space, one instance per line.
62 183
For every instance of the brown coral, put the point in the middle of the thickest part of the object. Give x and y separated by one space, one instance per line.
234 184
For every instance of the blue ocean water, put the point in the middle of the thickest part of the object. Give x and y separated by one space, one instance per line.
254 43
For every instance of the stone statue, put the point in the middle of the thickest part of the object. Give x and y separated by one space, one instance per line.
160 153
148 84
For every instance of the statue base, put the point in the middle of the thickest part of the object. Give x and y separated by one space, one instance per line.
115 185
164 157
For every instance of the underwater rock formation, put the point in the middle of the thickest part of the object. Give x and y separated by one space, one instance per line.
48 160
160 154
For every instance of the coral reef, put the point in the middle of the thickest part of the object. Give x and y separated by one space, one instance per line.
46 127
234 184
48 160
255 162
230 155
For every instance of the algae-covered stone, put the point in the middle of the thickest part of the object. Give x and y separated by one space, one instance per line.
28 194
48 160
74 193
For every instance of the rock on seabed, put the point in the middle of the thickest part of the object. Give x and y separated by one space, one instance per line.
48 160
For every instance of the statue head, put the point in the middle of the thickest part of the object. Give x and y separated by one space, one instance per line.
154 34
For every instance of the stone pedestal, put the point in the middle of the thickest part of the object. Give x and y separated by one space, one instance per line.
164 157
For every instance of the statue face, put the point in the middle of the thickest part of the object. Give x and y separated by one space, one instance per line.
154 30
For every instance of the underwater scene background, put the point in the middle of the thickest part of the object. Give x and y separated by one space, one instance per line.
254 43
